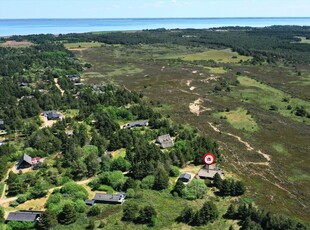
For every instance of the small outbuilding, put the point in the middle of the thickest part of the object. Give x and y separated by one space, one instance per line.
185 177
134 124
165 141
20 216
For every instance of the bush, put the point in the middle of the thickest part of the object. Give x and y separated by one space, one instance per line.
130 193
194 190
174 171
106 188
74 190
94 211
80 206
147 182
22 199
14 204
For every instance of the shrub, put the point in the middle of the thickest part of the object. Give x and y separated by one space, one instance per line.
130 193
147 182
174 171
106 188
22 199
94 211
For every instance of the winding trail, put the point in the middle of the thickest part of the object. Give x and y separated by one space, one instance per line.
247 145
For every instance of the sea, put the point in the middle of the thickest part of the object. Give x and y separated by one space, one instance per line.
10 27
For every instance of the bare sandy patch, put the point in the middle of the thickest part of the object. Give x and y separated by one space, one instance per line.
197 108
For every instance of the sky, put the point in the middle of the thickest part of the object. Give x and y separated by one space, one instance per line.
16 9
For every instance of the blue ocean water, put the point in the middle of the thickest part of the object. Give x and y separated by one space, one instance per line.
62 26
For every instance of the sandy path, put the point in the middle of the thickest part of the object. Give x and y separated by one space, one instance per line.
247 145
58 86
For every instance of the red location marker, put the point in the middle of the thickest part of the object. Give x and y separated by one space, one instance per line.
208 159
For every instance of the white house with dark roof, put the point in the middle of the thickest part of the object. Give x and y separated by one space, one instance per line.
165 141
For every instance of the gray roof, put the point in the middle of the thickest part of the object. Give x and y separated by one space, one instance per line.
137 124
205 173
113 198
1 122
90 202
26 158
24 216
185 176
165 141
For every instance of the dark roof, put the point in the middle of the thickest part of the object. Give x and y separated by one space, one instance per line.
31 216
137 124
52 114
73 75
90 202
185 176
165 141
114 198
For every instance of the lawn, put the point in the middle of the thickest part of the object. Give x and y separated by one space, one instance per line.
239 119
221 56
82 45
216 70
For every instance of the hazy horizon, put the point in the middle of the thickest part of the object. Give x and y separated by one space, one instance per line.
59 9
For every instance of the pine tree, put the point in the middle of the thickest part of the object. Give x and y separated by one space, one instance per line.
179 186
208 212
161 179
68 215
239 188
186 215
47 221
231 212
217 181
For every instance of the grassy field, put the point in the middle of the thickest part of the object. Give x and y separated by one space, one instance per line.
82 45
239 119
258 93
221 56
126 70
304 40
